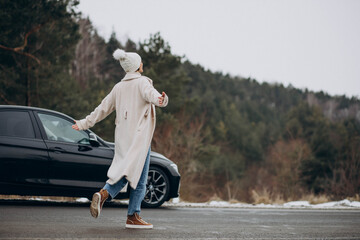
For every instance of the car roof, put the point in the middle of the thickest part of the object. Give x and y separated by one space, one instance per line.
19 107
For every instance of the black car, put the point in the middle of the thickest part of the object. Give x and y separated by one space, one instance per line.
40 154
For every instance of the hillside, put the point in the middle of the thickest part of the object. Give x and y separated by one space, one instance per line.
233 137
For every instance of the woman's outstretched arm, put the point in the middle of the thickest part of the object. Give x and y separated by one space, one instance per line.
106 107
150 94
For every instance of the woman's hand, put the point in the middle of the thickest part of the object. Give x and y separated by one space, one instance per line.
75 126
161 99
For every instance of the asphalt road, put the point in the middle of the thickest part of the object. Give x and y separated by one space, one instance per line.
34 221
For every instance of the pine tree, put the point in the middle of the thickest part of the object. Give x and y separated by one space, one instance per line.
37 41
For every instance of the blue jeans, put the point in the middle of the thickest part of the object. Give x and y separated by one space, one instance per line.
136 195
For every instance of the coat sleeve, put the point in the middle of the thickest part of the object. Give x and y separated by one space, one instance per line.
106 107
150 94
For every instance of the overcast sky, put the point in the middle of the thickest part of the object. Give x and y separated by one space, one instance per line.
312 44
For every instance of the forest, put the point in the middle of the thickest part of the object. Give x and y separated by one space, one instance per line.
233 138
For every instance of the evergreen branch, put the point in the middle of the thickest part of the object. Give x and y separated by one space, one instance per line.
35 29
21 53
20 49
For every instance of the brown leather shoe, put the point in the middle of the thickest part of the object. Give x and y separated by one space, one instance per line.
97 202
135 221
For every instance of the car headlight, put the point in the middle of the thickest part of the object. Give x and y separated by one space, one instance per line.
175 167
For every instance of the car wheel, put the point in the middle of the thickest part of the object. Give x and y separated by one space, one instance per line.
157 188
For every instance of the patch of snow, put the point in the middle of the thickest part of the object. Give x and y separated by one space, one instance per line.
355 204
177 202
42 199
37 199
124 202
219 203
82 200
344 204
297 204
263 205
326 205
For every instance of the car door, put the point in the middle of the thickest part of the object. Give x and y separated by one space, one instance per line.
74 162
23 154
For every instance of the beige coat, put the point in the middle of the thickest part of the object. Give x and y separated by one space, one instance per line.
133 99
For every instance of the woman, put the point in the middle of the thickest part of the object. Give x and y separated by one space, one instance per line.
133 98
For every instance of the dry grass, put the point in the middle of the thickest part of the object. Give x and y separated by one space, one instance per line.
266 197
215 197
315 199
260 197
234 201
355 198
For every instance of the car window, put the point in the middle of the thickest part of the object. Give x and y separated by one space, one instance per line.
16 124
59 129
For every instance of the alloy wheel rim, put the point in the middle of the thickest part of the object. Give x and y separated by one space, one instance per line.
155 188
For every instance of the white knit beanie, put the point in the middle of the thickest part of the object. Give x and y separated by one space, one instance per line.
129 61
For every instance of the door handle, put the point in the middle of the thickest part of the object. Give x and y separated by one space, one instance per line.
57 149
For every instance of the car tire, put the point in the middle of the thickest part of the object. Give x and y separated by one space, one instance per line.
157 188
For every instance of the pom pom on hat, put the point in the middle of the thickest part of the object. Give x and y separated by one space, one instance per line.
119 54
129 61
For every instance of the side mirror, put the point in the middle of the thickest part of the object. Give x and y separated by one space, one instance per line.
93 140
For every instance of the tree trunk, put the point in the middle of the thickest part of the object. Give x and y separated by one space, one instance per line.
28 95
